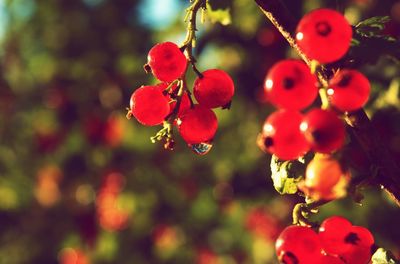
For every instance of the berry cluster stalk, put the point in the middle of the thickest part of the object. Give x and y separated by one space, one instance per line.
190 40
384 171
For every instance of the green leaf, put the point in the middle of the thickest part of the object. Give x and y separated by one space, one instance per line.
382 256
221 16
373 27
377 21
286 174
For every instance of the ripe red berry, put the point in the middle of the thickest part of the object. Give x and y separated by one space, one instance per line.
149 105
360 236
281 135
198 125
330 260
167 62
290 85
298 244
214 89
333 232
349 90
357 255
324 130
324 35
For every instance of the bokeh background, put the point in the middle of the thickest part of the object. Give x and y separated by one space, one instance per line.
79 183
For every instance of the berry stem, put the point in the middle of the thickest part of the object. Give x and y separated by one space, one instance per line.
324 98
358 121
301 212
190 40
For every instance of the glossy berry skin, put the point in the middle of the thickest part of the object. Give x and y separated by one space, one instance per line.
324 35
298 245
324 130
357 255
198 125
349 90
214 89
149 105
322 175
289 84
281 135
330 260
333 232
352 243
360 236
167 62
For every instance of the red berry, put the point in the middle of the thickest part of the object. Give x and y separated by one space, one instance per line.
333 232
349 90
322 176
324 35
281 135
298 244
149 105
360 236
357 255
324 130
214 89
167 62
330 260
290 84
198 125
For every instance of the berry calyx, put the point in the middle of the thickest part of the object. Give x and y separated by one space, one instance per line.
324 130
281 135
197 125
349 90
324 35
290 85
298 244
213 89
360 236
149 105
167 62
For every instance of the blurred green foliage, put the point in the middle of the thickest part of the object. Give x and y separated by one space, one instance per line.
68 68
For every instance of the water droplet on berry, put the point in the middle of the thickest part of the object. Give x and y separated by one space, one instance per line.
200 148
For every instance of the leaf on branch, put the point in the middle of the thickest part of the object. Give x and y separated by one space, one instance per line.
286 174
222 16
370 42
382 256
372 26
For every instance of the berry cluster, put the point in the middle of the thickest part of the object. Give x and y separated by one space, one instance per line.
324 36
337 242
170 102
291 86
